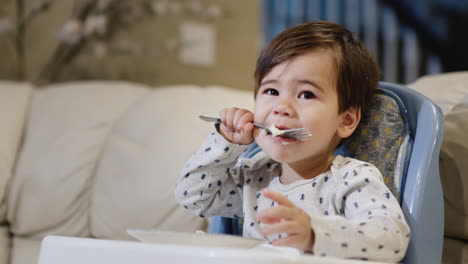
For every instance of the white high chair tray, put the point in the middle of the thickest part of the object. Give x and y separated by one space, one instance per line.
200 239
74 250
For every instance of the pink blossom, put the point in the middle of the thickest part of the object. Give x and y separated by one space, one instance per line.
71 32
95 24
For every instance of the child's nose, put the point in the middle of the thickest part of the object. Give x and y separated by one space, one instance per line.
283 109
281 112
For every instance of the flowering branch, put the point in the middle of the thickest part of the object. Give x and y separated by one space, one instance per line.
93 21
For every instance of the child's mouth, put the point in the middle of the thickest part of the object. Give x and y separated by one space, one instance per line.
282 140
284 134
276 134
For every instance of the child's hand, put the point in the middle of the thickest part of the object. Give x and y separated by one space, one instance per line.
237 125
289 219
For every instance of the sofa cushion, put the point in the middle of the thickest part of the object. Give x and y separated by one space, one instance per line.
14 105
145 153
446 90
66 131
454 172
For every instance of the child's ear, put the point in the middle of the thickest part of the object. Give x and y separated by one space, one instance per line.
349 121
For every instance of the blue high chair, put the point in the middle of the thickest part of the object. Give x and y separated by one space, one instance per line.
411 171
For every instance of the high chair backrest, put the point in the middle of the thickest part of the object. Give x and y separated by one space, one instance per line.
422 199
401 134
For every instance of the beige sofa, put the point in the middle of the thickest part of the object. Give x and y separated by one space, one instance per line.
91 159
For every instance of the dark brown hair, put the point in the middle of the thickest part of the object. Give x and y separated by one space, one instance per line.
357 73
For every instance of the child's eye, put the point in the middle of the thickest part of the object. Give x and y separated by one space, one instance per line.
307 95
271 92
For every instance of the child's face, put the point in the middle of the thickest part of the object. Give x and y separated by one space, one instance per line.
300 92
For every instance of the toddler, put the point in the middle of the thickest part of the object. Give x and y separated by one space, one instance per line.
296 193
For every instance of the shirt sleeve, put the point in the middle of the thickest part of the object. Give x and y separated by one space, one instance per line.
210 184
370 224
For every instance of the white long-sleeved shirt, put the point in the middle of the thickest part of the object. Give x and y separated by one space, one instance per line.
352 212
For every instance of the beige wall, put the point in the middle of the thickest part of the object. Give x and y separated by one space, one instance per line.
237 37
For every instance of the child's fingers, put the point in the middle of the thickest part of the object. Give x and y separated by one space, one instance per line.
289 241
287 227
230 115
247 131
277 197
227 116
237 117
236 125
245 125
284 210
274 214
244 117
284 241
222 116
224 129
298 236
